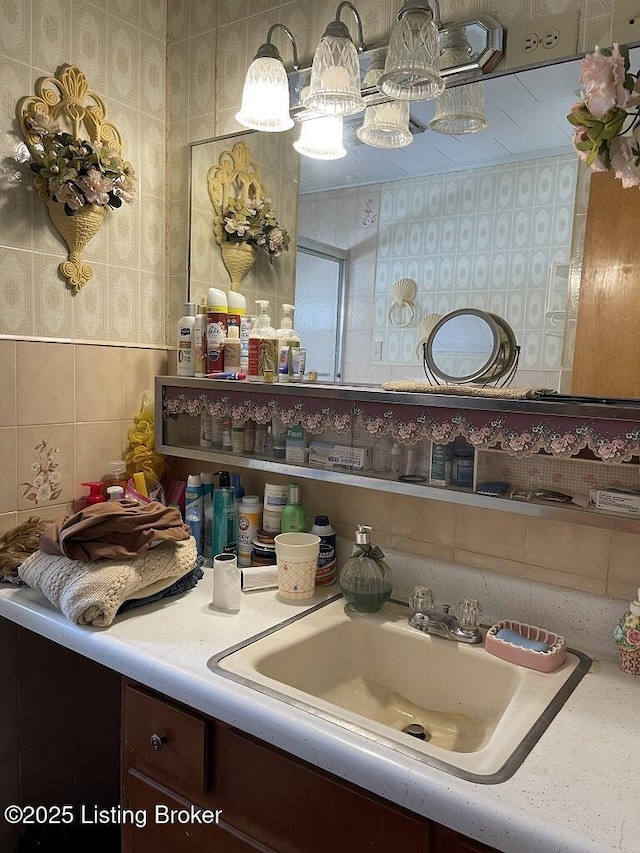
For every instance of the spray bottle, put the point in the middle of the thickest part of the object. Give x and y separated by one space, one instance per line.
193 508
263 345
287 338
237 316
216 329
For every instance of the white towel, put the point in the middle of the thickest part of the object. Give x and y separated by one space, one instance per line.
91 593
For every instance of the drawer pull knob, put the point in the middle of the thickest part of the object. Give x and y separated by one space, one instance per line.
157 742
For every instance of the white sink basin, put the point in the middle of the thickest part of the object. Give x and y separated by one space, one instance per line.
377 675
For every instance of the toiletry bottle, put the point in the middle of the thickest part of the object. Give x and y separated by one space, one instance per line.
206 480
287 338
246 324
216 329
249 522
237 436
115 493
193 508
294 517
279 433
326 572
185 340
200 340
236 485
365 579
95 493
627 637
232 350
249 436
263 346
116 475
206 426
396 460
237 317
462 464
225 517
440 467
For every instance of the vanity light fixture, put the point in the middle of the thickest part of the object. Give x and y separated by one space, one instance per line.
335 73
459 109
411 71
385 125
265 96
321 138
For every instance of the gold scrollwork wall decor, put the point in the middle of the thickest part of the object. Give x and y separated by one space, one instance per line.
76 158
232 183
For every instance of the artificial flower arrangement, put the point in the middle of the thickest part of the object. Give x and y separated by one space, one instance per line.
77 173
255 223
607 118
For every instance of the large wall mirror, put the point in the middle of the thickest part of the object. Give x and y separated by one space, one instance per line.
489 221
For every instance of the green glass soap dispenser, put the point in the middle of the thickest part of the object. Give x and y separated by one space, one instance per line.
365 579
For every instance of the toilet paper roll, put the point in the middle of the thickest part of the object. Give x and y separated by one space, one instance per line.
226 583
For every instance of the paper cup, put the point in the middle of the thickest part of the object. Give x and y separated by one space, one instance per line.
297 556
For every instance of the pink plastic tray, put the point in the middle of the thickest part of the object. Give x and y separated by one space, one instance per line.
542 661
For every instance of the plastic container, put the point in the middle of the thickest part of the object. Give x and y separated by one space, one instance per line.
193 509
627 637
249 522
287 338
294 517
440 465
326 572
116 475
206 480
200 340
263 550
275 498
263 346
365 579
95 493
543 661
237 436
462 466
232 350
225 517
216 329
185 341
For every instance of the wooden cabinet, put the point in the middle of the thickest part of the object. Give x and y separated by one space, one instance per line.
256 796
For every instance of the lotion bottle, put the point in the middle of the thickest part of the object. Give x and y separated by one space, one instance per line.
232 350
287 338
185 340
200 340
294 517
263 345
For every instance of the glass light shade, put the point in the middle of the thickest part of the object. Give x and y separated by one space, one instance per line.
386 125
321 138
265 97
460 110
411 68
334 88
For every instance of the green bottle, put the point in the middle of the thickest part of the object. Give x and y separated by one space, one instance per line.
294 517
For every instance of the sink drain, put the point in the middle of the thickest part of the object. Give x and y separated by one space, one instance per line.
417 731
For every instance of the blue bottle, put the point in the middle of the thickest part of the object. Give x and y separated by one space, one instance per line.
193 508
225 517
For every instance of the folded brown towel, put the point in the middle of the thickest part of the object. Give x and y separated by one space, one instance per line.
466 390
113 530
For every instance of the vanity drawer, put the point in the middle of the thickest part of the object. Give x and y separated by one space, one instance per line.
164 742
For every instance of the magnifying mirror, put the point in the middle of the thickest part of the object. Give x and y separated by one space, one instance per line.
470 346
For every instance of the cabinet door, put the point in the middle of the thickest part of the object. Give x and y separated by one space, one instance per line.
444 840
293 808
163 830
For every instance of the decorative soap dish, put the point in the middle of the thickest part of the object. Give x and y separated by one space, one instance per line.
543 661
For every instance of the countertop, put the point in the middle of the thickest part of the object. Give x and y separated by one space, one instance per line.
575 792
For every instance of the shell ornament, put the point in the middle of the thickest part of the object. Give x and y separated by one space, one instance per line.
403 294
425 325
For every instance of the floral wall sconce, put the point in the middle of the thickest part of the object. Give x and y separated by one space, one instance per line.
244 219
76 158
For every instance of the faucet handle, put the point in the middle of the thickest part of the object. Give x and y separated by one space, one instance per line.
470 613
420 599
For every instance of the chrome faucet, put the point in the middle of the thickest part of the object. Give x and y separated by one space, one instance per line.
438 621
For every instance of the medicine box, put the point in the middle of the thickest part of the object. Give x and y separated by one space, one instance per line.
616 500
339 455
296 445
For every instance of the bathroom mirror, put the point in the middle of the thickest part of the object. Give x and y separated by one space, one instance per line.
485 221
470 346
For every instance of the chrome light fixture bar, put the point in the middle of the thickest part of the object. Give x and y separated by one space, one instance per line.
484 34
265 96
